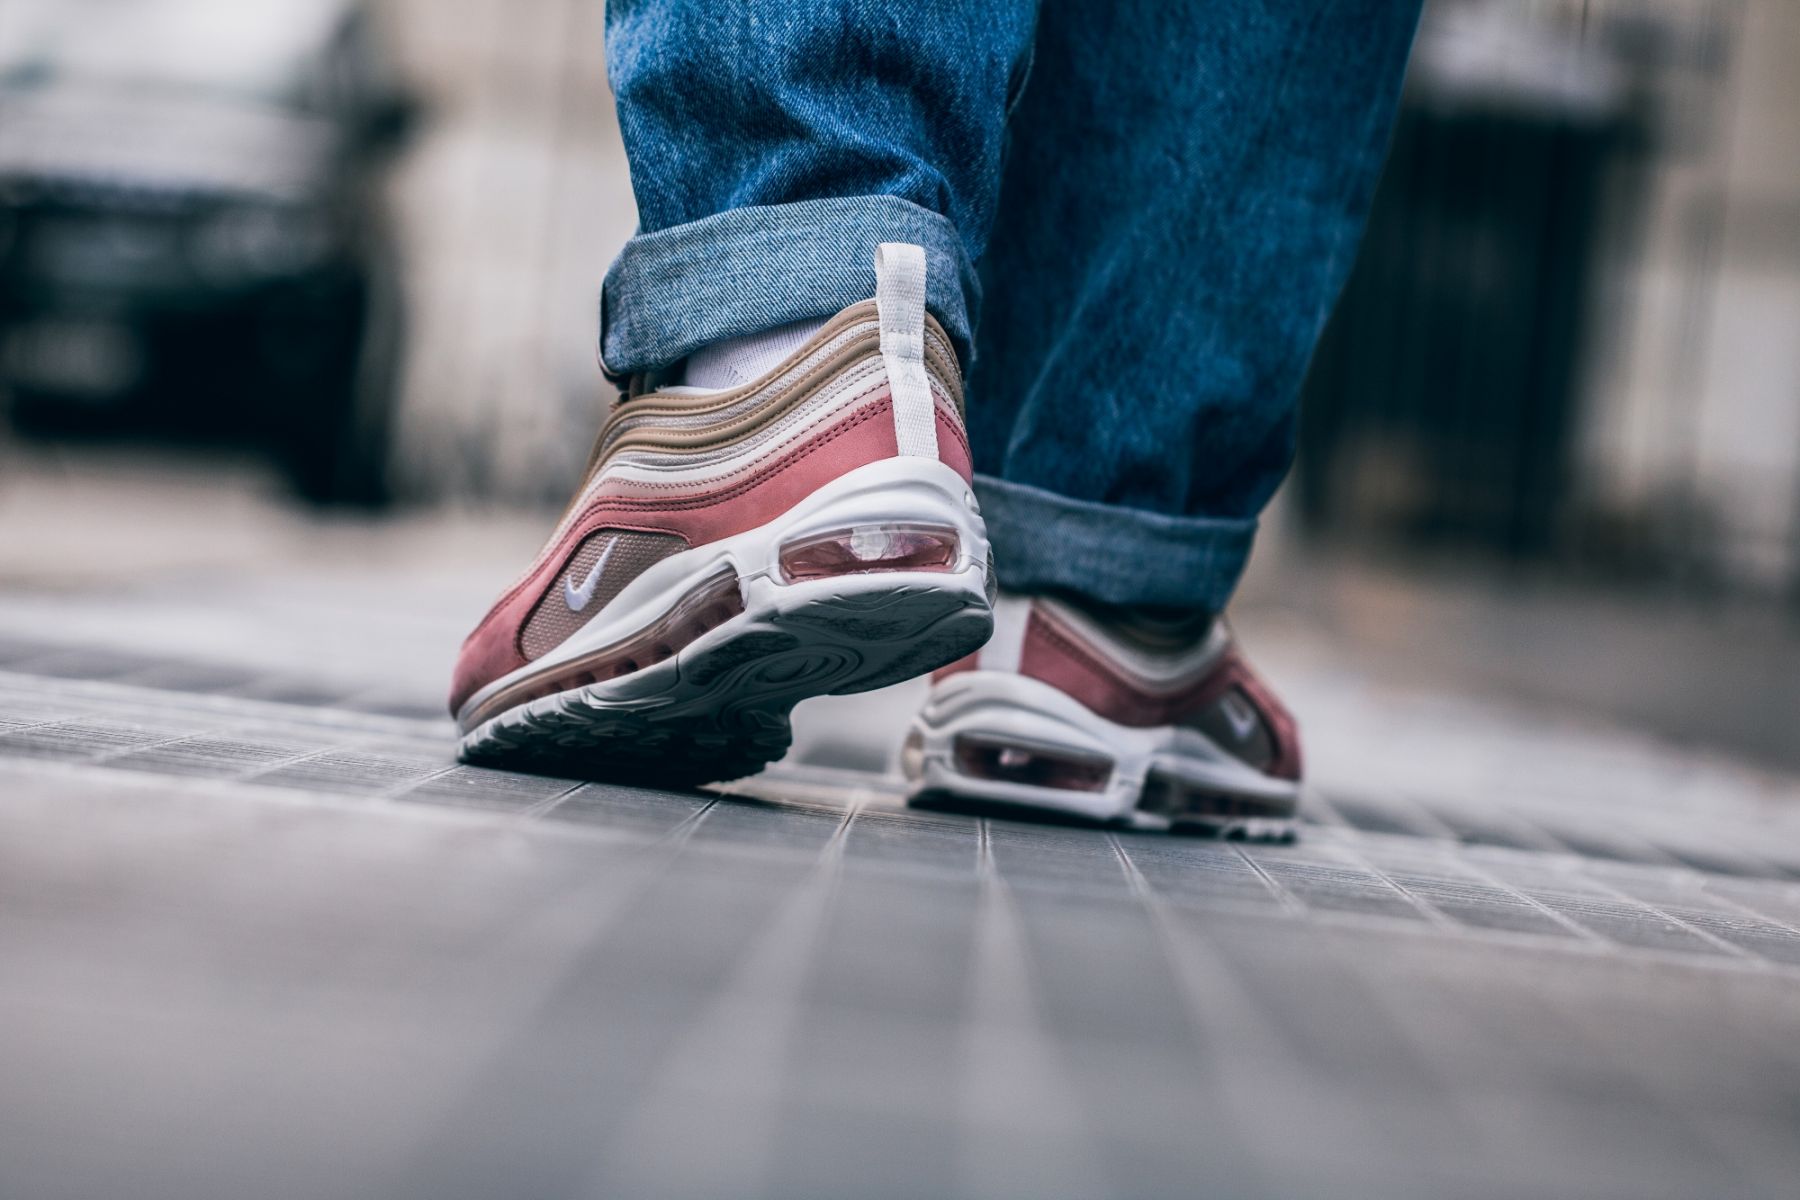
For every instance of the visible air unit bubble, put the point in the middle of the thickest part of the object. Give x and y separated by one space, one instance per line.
1001 762
862 549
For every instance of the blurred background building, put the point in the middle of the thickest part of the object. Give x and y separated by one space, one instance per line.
1573 336
1572 333
352 247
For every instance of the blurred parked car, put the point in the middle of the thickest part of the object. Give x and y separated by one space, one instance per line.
192 244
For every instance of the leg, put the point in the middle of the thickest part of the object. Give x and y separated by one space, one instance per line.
807 528
1182 197
774 144
1183 194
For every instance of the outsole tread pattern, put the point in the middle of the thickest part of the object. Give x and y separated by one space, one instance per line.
725 712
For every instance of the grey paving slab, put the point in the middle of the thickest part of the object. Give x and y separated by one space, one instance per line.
262 936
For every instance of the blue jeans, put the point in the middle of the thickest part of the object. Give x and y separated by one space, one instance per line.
1137 215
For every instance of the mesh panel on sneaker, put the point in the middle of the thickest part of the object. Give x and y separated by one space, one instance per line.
580 590
1234 724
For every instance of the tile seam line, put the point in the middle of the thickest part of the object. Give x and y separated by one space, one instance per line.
675 838
1737 957
105 758
213 702
1434 915
541 809
357 804
247 727
1565 863
1730 948
1747 911
1285 898
1504 939
1759 914
1580 930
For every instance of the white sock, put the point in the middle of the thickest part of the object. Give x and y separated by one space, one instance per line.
736 361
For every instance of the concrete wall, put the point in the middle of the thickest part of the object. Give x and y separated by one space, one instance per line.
1694 385
511 206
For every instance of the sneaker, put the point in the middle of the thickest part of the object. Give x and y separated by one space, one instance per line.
1108 717
733 552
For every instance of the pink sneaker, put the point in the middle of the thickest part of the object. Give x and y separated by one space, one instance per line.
1152 725
734 552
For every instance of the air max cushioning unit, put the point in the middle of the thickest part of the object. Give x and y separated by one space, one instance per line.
733 552
1066 713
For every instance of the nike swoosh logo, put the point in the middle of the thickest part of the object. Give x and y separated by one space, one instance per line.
1240 716
577 597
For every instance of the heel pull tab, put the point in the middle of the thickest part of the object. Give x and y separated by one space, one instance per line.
900 301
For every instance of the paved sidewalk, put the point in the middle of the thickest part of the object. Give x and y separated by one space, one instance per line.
262 937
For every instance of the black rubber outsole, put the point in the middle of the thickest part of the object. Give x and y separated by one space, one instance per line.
725 712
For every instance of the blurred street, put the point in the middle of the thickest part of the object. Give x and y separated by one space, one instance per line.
264 937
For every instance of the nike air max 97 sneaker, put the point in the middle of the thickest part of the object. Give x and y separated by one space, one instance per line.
733 552
1109 717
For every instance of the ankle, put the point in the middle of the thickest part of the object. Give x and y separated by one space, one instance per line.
1153 628
735 362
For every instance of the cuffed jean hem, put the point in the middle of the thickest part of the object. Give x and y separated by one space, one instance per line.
749 269
1045 542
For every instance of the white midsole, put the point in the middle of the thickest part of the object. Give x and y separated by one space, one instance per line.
1016 710
909 490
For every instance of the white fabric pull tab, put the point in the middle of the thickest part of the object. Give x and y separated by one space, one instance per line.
900 302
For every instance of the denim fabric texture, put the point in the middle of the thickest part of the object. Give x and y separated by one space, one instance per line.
1137 215
753 112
